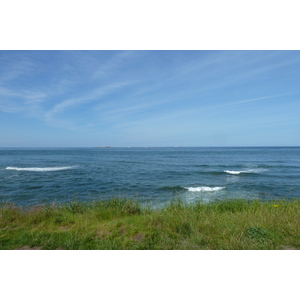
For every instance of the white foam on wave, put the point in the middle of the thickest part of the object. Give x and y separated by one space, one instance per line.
47 169
235 172
205 189
254 171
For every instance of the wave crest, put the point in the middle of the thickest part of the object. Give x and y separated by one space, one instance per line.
205 189
235 172
251 171
47 169
177 188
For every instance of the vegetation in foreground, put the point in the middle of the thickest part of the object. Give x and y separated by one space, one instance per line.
123 224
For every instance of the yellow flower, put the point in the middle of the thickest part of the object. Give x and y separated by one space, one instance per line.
276 205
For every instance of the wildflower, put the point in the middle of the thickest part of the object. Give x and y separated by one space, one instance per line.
275 205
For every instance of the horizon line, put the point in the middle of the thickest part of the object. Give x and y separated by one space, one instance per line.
109 147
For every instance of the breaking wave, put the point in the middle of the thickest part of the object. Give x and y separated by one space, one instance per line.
205 189
252 171
47 169
235 172
177 188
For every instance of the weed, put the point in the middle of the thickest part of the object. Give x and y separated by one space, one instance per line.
125 224
77 207
257 233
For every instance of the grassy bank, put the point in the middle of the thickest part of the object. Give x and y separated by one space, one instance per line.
124 224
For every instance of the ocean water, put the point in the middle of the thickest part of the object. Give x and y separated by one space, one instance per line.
152 175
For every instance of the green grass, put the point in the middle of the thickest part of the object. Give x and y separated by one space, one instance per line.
124 224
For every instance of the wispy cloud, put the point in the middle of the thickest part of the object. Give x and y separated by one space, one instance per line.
136 93
15 69
110 66
51 101
52 116
225 104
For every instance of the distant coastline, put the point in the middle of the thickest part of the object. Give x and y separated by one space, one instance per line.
144 147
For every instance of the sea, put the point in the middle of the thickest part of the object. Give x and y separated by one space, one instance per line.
152 175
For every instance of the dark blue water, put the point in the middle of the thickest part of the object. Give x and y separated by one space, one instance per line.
36 176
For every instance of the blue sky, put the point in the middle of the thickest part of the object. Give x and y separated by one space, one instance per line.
149 98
